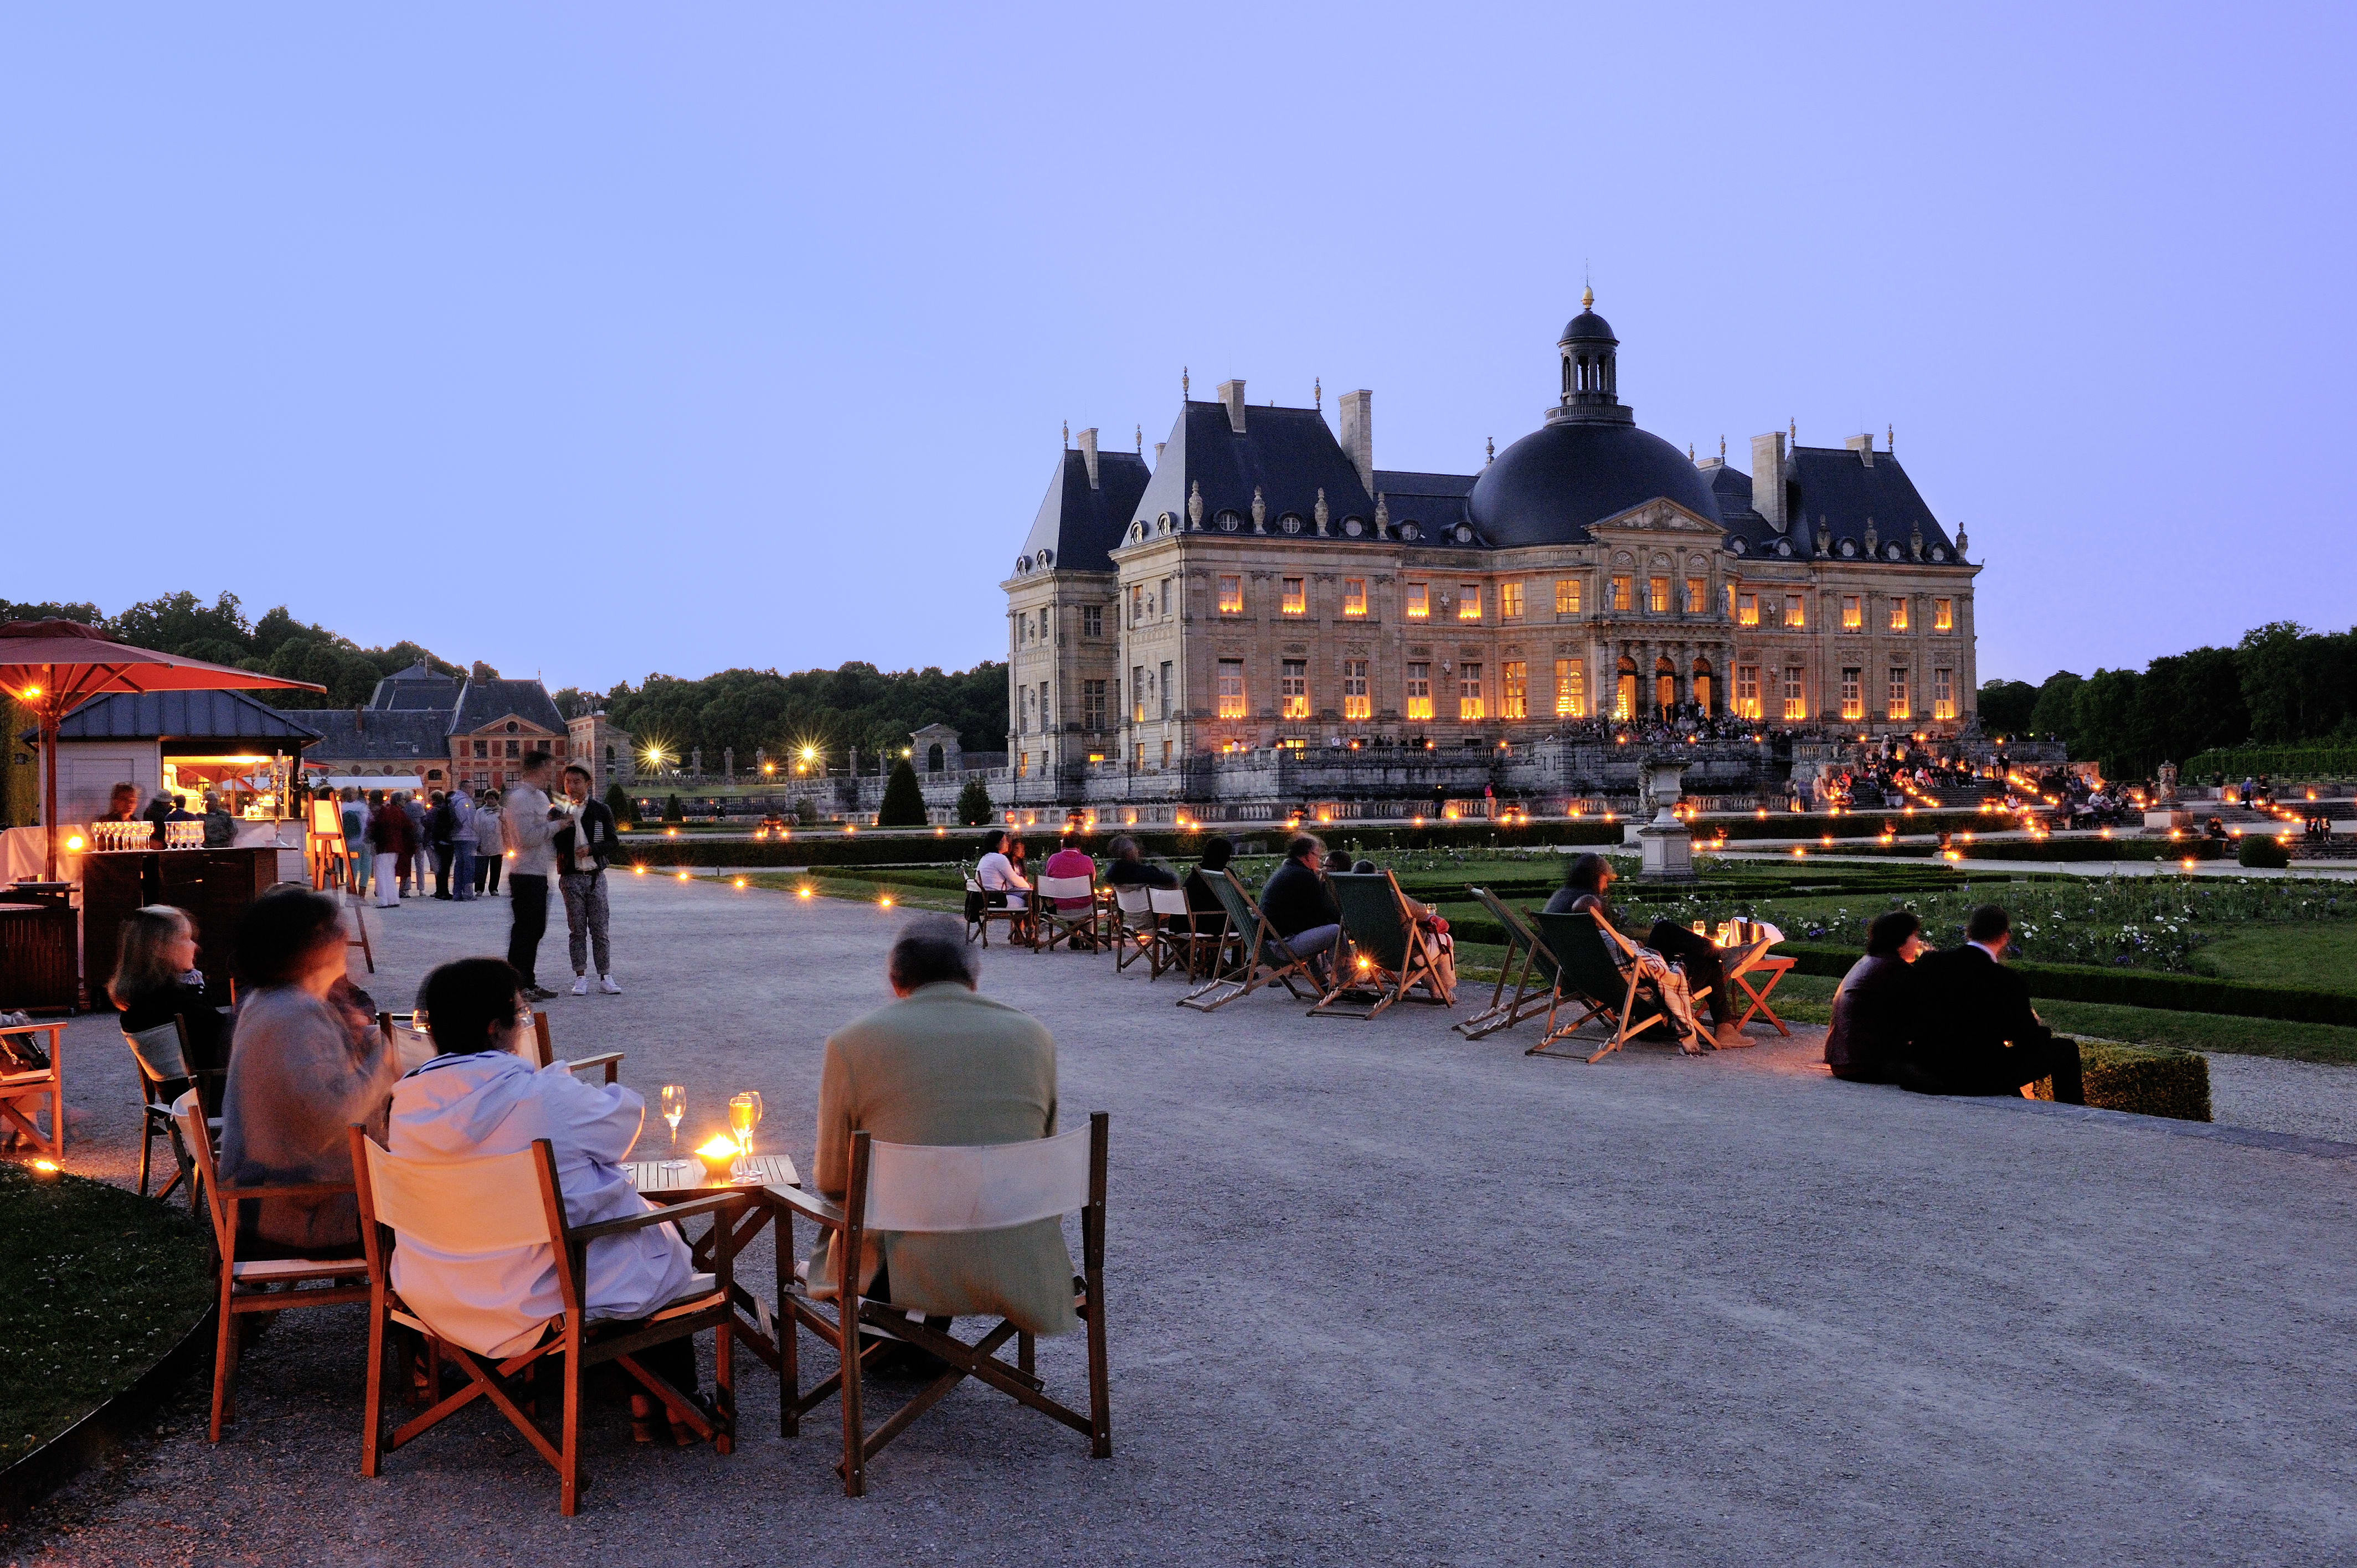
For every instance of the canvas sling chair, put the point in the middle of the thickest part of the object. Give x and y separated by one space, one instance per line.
493 1205
1597 971
1263 960
980 912
409 1038
161 1056
1526 977
1389 954
1135 935
1174 937
248 1286
1056 924
939 1189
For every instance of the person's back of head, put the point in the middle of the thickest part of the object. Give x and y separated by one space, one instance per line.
1364 868
282 934
1586 873
1886 937
1122 847
1217 854
994 841
1988 924
470 1005
930 949
1339 860
142 962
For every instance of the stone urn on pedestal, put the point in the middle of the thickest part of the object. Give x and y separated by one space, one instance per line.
1666 845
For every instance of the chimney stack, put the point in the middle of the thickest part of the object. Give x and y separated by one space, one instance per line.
1768 478
1863 446
1233 394
1089 453
1359 434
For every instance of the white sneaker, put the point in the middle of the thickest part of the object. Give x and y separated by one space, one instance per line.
580 985
606 983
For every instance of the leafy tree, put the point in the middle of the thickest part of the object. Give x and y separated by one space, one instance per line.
619 801
2105 729
2056 715
88 615
904 804
973 807
2006 707
833 710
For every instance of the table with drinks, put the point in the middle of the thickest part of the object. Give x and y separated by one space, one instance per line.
1743 944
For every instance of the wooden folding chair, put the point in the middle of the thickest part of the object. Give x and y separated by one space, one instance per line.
983 907
160 1055
1596 971
24 1092
1054 923
1265 960
1132 935
938 1190
611 1061
1390 955
493 1205
1174 935
1528 969
337 1280
359 908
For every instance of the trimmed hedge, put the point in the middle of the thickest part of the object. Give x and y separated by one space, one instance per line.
2261 852
2147 1080
2047 849
2129 988
2276 761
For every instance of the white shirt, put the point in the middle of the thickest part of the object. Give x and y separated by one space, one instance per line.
530 830
998 874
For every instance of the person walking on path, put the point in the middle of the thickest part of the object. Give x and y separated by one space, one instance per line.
490 843
585 843
413 858
442 835
462 847
357 857
388 831
531 824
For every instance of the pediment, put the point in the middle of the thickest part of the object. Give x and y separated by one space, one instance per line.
1658 516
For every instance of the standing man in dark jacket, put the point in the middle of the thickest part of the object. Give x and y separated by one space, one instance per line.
1977 1033
585 843
441 833
1300 907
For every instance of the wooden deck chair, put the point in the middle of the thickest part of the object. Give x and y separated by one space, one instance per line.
1529 970
1135 935
1389 955
251 1286
25 1089
493 1205
359 908
981 910
611 1061
936 1190
1264 960
1056 924
160 1056
1595 973
1174 935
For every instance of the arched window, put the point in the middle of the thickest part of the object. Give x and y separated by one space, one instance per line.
933 762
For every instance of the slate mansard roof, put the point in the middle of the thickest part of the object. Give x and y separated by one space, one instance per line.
400 723
185 715
1077 526
487 701
1834 488
374 735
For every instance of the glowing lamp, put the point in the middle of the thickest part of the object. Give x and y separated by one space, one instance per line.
886 901
47 1167
638 870
683 876
670 832
801 893
718 1155
1798 852
33 692
74 843
740 882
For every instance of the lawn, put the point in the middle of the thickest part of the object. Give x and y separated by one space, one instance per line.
97 1283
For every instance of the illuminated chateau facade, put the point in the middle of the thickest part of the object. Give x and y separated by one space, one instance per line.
1264 590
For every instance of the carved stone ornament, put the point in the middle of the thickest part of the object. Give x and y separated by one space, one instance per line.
1320 512
1960 543
1195 505
1869 536
1259 512
1915 541
1825 539
1384 517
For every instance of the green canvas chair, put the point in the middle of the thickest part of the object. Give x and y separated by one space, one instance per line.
1262 961
1529 970
1597 971
1389 954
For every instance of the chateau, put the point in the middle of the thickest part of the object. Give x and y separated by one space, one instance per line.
1264 614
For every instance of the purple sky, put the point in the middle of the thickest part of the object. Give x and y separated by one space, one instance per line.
599 340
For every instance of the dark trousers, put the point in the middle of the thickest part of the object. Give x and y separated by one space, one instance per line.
487 871
2008 1070
1699 958
442 853
529 896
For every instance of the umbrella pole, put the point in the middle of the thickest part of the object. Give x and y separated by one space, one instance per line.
50 805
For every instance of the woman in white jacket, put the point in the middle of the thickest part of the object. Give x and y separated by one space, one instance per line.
478 1097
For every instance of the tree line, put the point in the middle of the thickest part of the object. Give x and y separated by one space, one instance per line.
2282 684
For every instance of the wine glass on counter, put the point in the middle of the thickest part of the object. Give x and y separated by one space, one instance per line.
743 1115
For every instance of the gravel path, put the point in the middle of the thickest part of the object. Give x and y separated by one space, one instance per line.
1380 1295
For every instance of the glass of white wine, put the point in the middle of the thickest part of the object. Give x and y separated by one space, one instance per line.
743 1115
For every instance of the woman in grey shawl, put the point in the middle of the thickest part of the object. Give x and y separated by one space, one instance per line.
300 1073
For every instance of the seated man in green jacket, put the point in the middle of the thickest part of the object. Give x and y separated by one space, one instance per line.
943 1065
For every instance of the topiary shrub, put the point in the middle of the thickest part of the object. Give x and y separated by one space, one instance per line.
673 810
619 801
904 804
2261 852
973 807
2147 1081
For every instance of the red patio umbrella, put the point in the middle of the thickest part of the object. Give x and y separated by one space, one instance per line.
55 666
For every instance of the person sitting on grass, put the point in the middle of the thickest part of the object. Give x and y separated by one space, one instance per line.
1974 1030
1693 960
1300 907
1877 1004
477 1096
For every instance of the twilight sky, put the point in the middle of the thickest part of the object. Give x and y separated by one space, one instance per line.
602 339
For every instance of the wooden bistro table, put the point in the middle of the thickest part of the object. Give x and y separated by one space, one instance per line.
1745 961
666 1182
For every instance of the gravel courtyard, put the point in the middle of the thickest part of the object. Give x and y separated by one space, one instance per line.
1378 1295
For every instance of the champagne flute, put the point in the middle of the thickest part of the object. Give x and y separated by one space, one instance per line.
743 1115
674 1108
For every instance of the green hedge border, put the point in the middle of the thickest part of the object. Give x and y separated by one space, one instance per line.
2303 761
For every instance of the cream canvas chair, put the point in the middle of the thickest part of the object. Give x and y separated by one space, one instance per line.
934 1190
160 1053
1134 936
1060 925
1174 938
494 1205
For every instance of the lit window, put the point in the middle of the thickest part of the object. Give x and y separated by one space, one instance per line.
1139 603
1747 612
1566 596
1853 695
1137 757
1419 690
1354 595
1624 695
1296 597
1657 594
1231 595
1899 614
1231 688
1697 590
1510 601
1292 690
1943 615
1470 704
1092 621
1853 618
1943 695
1163 691
1092 705
1514 699
1469 601
1796 704
1355 702
1570 689
1137 693
1419 601
1022 763
1746 690
1622 588
1794 614
1898 708
1165 754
